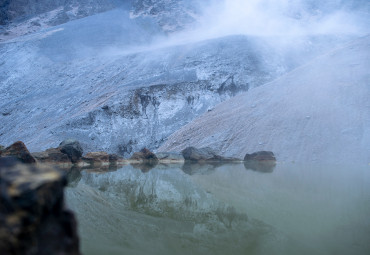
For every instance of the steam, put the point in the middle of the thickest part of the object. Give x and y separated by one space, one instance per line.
279 18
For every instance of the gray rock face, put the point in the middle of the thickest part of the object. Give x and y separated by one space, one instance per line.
72 149
316 113
20 17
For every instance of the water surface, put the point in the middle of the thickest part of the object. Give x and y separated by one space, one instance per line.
228 209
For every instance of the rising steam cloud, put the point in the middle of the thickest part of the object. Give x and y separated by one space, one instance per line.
280 18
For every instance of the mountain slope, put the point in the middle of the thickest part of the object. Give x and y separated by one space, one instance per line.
318 112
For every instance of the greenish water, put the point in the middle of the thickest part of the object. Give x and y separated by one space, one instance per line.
292 209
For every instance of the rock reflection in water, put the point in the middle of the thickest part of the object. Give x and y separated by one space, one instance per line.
264 166
134 206
144 166
192 168
222 210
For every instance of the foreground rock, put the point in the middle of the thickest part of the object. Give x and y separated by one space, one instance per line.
19 151
72 148
32 215
204 154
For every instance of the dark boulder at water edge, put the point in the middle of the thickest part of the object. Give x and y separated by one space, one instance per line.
72 148
33 219
260 156
144 160
52 156
204 154
145 155
19 151
261 161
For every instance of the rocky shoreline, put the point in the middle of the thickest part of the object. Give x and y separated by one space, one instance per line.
70 154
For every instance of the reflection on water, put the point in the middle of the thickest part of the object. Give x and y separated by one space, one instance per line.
222 209
265 166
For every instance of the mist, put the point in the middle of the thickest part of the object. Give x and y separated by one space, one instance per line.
282 18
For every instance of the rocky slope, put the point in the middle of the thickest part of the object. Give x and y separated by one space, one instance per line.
118 84
19 17
318 112
122 102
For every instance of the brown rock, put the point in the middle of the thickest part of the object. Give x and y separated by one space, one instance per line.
52 156
19 151
96 158
145 155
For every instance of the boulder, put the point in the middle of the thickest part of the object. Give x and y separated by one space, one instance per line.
19 151
170 157
260 156
95 159
52 156
144 160
145 155
261 161
114 159
204 154
72 148
33 219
